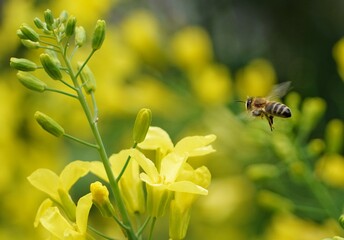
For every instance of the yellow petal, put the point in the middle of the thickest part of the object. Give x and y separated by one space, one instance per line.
146 164
72 172
82 211
171 165
47 203
157 138
45 180
195 145
187 187
55 223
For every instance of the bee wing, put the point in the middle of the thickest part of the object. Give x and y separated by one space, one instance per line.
279 90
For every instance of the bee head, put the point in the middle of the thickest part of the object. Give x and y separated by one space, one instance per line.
248 103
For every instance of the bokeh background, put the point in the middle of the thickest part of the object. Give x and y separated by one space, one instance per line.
189 61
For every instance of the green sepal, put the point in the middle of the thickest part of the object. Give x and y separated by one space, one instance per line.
22 64
142 123
70 28
31 82
29 33
50 66
98 35
49 124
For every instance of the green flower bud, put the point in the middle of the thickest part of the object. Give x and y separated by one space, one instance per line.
49 124
261 171
312 110
31 82
63 16
334 136
30 44
20 34
70 28
87 78
98 35
142 123
80 36
29 33
50 66
38 22
49 19
22 64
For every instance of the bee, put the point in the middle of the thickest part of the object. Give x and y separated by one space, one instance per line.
263 107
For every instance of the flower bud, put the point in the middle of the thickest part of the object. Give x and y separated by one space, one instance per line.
100 198
334 136
142 123
50 66
70 28
22 64
49 19
49 124
20 34
31 82
261 171
80 36
38 23
29 33
87 78
30 44
63 16
98 35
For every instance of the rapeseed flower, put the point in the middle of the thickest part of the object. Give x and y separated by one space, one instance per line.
163 178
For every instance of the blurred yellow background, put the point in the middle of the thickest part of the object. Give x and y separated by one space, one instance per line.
168 56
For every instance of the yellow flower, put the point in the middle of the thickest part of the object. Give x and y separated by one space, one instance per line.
57 187
180 208
162 179
256 79
191 48
50 217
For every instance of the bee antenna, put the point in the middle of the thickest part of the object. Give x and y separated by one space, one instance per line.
239 101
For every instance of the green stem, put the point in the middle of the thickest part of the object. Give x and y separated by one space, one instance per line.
85 62
139 232
125 165
100 234
151 229
102 152
81 141
61 92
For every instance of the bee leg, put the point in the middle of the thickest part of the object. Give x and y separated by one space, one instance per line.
270 121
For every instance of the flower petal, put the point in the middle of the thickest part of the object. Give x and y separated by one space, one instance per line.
146 164
47 203
72 172
55 223
157 138
47 181
171 165
82 211
187 187
195 145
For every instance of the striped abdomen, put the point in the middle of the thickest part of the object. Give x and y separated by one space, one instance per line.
277 109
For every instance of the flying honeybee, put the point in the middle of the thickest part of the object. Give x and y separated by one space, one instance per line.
263 107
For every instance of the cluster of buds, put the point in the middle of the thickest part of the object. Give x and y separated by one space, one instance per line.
54 37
